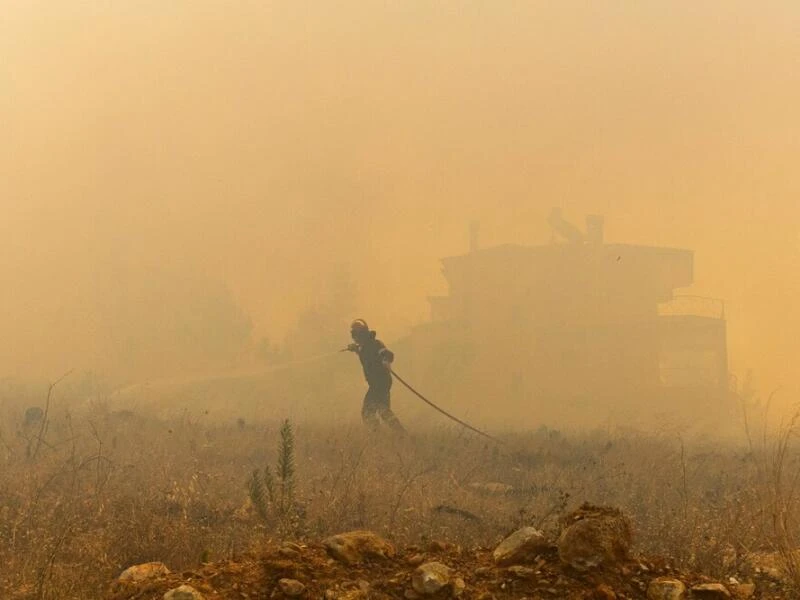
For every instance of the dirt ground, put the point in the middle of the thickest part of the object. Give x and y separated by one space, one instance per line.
257 576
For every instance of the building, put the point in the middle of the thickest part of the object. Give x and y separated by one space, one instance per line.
576 326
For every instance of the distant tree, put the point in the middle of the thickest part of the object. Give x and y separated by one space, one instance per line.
322 327
160 321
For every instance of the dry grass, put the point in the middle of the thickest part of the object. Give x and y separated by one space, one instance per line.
109 490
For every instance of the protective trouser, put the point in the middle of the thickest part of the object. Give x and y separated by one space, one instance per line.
376 404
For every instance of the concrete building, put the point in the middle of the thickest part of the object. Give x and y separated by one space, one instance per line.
577 326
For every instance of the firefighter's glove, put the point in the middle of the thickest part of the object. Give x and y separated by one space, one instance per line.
352 347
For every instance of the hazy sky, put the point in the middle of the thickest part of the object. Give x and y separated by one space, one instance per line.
264 143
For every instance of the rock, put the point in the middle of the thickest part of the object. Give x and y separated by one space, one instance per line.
291 587
771 564
744 591
33 415
458 587
430 578
356 546
522 572
604 592
416 560
594 535
184 592
521 546
290 550
437 546
357 594
710 591
666 588
288 553
138 573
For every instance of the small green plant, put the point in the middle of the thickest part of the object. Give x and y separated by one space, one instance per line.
274 499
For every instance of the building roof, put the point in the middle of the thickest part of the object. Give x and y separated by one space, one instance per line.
670 267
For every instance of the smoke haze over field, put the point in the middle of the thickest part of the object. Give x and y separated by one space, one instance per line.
247 152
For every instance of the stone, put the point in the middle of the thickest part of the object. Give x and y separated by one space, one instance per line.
291 587
416 560
355 547
710 591
522 572
289 553
744 591
184 592
33 415
594 535
604 592
666 588
430 578
356 594
521 546
771 564
144 571
290 550
457 587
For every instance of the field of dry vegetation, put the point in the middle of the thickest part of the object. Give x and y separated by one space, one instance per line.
87 492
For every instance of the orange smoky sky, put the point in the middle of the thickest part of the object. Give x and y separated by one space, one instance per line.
266 144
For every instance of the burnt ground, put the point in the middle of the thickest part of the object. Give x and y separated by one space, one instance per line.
546 577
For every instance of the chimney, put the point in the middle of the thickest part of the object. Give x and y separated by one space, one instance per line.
474 227
594 229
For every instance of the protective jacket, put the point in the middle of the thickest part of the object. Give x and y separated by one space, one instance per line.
372 353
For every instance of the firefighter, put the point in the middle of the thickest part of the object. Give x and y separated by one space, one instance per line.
376 360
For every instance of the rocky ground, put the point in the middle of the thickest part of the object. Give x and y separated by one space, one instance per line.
591 559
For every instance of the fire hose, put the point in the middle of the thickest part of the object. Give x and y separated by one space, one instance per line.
441 410
434 406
